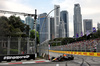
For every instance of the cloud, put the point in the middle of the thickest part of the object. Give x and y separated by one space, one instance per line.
90 9
19 7
15 6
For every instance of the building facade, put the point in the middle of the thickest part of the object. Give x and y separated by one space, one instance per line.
64 17
56 20
77 21
38 25
61 29
88 26
98 26
29 21
23 21
52 28
44 27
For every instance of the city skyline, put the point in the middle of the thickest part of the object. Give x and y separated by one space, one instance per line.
77 21
44 33
56 20
29 21
89 9
88 26
98 26
64 17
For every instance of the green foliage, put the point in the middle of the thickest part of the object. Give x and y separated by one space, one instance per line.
3 51
14 51
66 40
13 27
32 35
4 26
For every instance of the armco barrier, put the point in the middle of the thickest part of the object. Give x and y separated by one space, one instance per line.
17 57
96 54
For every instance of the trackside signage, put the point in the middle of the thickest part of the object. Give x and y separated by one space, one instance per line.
97 54
17 57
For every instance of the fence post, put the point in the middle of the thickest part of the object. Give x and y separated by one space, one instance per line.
27 45
8 48
19 45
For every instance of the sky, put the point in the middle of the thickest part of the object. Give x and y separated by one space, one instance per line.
90 9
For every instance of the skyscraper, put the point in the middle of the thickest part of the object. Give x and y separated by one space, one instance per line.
23 21
51 28
87 26
38 25
77 21
44 27
64 17
61 29
98 26
56 20
29 21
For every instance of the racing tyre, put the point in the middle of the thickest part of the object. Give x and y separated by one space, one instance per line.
72 58
52 58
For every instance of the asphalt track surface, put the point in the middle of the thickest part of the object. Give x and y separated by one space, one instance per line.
78 61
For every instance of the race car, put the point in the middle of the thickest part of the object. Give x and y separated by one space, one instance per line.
63 57
70 57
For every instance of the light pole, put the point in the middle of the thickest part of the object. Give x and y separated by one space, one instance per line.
35 17
46 17
43 24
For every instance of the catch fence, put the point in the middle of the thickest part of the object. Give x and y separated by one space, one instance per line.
92 45
16 45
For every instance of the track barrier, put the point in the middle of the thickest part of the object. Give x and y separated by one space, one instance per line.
17 57
96 54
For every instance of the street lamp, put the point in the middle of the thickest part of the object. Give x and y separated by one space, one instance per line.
46 17
43 24
35 17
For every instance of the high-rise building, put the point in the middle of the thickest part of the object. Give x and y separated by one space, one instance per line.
88 27
56 20
38 25
98 26
29 21
51 28
64 17
61 29
23 21
77 21
44 27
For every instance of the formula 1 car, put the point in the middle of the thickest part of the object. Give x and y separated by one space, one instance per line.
63 57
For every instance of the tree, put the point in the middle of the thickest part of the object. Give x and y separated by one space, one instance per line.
32 35
16 23
4 26
13 27
16 26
